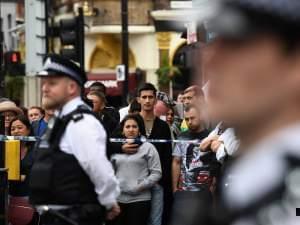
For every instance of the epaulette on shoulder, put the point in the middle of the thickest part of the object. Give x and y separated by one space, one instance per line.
77 116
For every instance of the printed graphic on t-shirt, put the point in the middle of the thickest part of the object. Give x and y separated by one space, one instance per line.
194 174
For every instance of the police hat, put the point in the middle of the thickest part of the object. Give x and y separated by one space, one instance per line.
56 65
242 18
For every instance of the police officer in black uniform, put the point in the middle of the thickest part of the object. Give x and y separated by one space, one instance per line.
72 182
255 86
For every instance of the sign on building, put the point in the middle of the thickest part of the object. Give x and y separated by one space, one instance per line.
191 32
120 73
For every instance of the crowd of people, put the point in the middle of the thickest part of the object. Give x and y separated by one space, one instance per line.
159 181
226 156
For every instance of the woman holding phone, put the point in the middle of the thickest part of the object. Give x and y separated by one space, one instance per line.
137 174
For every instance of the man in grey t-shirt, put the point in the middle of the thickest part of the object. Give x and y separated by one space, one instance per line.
193 171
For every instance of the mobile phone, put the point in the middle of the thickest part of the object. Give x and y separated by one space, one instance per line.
137 141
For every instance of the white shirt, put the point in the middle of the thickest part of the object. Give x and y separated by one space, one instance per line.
259 170
229 140
86 140
124 112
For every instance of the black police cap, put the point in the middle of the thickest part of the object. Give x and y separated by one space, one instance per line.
241 18
56 65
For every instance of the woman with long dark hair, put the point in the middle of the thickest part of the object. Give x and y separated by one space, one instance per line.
137 174
20 211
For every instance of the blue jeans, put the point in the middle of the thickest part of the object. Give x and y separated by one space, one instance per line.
157 204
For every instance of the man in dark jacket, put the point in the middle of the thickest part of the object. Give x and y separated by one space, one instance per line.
100 87
106 118
158 129
155 129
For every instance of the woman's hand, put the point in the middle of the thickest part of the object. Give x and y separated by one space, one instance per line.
130 148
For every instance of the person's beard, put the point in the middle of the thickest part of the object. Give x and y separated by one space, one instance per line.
52 104
195 128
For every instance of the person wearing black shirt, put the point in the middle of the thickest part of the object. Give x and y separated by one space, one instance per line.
155 129
100 87
105 116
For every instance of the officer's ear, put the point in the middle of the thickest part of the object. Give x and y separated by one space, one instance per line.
73 87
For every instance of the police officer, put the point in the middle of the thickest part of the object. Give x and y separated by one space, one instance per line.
72 182
255 86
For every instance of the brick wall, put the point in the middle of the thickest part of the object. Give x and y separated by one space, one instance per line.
139 12
161 4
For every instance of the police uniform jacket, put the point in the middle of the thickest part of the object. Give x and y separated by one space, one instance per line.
85 139
262 187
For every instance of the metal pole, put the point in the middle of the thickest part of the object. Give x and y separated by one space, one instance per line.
125 47
2 72
47 26
1 35
3 179
3 171
81 37
3 196
1 39
2 132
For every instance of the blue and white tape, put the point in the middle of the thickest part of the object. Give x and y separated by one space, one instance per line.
112 140
124 140
19 138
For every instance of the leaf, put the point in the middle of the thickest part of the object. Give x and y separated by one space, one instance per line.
167 73
14 86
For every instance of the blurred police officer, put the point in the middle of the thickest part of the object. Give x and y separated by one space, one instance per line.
255 86
72 182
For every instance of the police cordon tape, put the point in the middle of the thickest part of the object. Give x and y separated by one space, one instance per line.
142 140
19 138
112 140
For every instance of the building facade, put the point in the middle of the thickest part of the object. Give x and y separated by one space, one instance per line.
8 20
156 30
